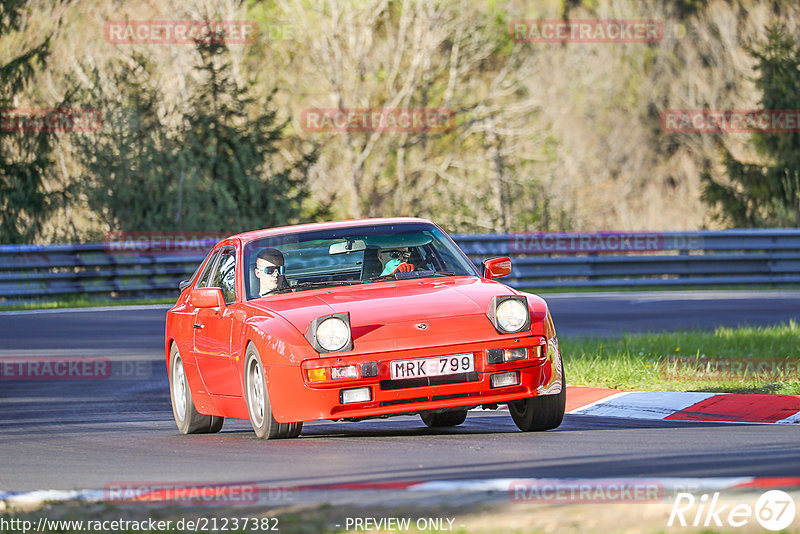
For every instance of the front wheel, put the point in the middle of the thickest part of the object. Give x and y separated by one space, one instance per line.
258 405
540 413
188 419
454 418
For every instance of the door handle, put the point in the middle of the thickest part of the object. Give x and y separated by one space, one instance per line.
199 325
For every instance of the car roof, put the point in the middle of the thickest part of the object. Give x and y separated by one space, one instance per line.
310 227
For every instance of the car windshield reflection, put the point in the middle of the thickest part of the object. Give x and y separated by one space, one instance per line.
352 256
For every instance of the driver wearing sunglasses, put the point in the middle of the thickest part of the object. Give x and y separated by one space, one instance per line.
394 261
269 270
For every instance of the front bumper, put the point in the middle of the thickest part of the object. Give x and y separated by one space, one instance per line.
296 398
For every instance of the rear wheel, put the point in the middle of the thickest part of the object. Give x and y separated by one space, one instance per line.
540 413
258 405
454 418
188 419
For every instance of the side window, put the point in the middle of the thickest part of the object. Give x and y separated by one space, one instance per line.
206 275
224 275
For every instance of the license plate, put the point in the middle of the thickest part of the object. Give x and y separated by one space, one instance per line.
436 366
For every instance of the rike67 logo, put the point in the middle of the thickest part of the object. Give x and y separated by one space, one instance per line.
774 510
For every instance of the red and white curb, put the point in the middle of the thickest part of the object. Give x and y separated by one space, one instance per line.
666 486
684 406
667 483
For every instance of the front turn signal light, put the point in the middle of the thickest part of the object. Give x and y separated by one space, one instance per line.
317 375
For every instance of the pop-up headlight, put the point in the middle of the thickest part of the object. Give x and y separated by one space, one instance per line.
330 333
509 314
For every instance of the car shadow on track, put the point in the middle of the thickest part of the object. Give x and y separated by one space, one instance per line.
476 424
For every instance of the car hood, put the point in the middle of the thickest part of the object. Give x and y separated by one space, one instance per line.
401 314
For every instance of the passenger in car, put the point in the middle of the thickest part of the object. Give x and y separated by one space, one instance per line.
395 260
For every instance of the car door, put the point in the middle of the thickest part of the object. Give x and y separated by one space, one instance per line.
213 328
183 316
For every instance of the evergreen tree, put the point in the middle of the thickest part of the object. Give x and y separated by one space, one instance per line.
230 140
131 166
25 156
766 195
208 173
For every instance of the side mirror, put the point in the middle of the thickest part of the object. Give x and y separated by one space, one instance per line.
496 267
184 284
207 297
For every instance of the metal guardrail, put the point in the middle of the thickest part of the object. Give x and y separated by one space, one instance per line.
728 257
31 272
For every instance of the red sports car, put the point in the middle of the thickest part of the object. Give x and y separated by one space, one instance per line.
354 320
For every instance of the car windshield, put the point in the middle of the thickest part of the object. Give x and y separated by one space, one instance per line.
356 255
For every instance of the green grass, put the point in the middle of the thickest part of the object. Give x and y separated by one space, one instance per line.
643 361
82 302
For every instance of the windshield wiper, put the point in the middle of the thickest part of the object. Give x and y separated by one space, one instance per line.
423 274
411 274
309 285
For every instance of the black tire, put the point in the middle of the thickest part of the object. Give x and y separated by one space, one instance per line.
216 424
453 418
258 405
296 429
188 419
540 413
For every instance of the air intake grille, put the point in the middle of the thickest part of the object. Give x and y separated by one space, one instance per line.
388 385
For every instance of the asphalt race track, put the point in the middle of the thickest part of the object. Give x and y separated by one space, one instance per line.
92 433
